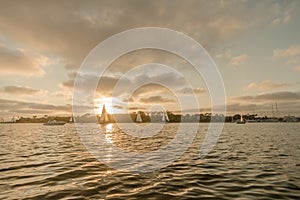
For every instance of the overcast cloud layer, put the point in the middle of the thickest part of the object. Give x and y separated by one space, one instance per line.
255 44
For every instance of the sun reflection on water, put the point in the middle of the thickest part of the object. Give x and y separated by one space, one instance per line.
108 133
109 128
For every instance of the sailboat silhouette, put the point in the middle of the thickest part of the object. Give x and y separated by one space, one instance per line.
165 118
139 118
104 116
72 119
241 121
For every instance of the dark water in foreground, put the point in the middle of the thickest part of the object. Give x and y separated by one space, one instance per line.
251 161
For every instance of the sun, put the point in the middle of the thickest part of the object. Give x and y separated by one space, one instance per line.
107 101
112 105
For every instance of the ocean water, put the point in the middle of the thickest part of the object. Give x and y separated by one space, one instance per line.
251 161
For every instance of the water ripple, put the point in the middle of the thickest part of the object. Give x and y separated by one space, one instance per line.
255 161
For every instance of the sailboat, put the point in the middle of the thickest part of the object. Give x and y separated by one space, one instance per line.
54 122
165 118
72 119
104 116
242 121
138 118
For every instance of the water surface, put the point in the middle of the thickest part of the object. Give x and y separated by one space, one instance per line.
251 161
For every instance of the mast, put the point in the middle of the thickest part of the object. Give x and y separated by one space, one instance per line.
276 107
138 118
72 120
104 116
165 117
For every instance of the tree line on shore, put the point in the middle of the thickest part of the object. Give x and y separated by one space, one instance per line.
149 117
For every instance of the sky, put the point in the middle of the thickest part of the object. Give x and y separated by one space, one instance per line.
255 45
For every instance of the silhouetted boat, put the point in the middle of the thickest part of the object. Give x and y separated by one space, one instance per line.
54 122
104 119
271 120
241 121
72 119
165 118
138 118
251 121
290 119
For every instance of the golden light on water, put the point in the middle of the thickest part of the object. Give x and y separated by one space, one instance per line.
109 128
108 132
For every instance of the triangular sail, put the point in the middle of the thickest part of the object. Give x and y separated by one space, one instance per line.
165 117
72 119
104 116
138 118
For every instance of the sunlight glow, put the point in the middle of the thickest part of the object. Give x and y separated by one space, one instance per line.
109 128
107 101
108 133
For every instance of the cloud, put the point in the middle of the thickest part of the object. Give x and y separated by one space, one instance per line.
137 108
15 107
156 99
239 60
107 84
192 90
290 55
150 89
245 105
85 82
144 56
227 25
231 60
276 21
288 103
283 96
133 89
18 90
288 52
170 79
282 20
283 108
129 100
297 68
266 85
67 32
118 107
70 31
283 13
21 62
275 96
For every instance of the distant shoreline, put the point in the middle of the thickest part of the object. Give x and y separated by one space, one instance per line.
264 122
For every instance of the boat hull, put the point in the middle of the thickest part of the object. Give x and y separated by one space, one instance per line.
54 123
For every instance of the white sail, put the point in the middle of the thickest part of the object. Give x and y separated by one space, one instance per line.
104 116
242 121
72 119
138 118
165 117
